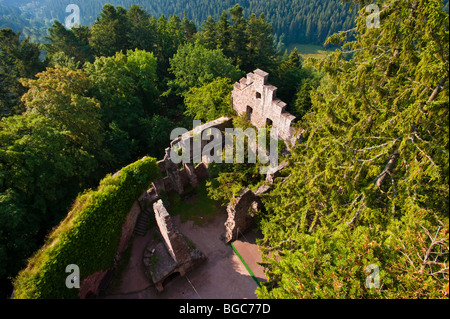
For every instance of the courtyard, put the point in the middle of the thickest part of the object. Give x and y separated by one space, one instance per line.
222 276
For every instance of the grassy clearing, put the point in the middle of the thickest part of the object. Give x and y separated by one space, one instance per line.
198 208
309 50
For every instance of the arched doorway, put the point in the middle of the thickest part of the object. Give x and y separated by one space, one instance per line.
170 278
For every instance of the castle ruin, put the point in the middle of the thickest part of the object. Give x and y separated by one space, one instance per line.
253 96
256 98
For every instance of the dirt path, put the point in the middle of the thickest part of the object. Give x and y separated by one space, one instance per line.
222 276
247 248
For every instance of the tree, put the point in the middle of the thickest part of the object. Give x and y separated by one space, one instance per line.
370 184
293 61
18 229
261 44
63 40
168 40
210 101
224 34
18 59
193 65
41 172
126 87
157 134
142 35
209 34
59 95
188 27
302 103
239 38
110 33
289 77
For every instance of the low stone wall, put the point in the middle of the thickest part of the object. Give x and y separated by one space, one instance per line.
90 286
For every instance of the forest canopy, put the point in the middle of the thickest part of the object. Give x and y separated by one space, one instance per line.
368 185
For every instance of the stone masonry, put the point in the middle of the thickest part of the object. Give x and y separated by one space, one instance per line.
177 178
174 240
241 212
173 255
257 98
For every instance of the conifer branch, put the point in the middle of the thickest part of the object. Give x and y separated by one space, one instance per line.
423 152
438 89
434 242
359 210
281 243
388 168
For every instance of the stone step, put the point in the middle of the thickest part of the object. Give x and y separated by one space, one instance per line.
142 222
140 233
141 230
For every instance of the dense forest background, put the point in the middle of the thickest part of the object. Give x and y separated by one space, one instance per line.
368 185
294 21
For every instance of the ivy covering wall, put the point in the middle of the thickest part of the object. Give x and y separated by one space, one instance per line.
88 236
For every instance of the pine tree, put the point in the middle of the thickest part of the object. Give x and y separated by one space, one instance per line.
110 33
142 36
261 45
18 59
303 102
239 38
370 183
224 34
209 34
189 28
63 40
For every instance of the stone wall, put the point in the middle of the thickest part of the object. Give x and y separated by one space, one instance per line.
178 178
174 240
241 212
90 286
257 98
182 259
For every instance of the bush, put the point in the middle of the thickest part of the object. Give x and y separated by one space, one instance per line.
88 237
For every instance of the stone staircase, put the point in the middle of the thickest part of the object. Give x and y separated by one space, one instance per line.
142 222
145 204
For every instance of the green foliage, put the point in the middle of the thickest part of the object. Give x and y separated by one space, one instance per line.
92 228
68 41
126 86
194 65
41 171
324 265
156 134
248 42
59 95
18 59
14 220
229 179
210 101
303 102
109 34
370 184
142 36
200 208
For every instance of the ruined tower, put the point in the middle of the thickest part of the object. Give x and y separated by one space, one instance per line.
254 96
